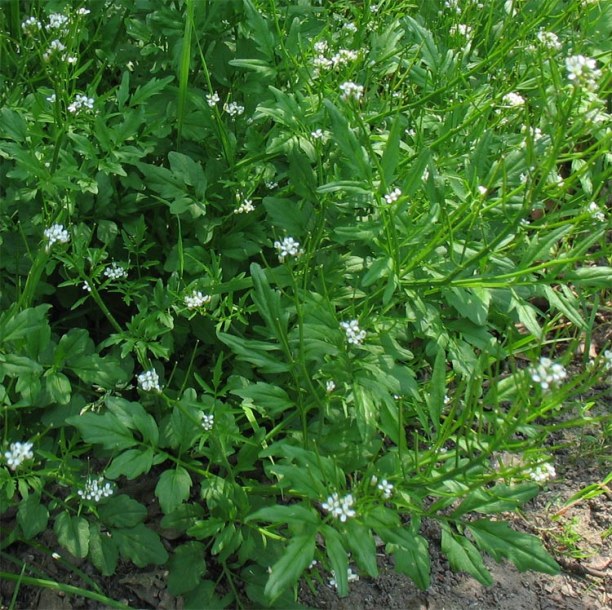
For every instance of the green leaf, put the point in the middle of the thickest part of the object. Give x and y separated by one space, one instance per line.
496 500
151 88
14 365
295 559
289 215
58 388
105 430
173 488
280 513
268 304
597 277
140 545
104 372
525 551
182 517
438 389
337 557
32 516
188 171
361 543
391 155
255 352
103 551
12 125
187 566
413 560
122 511
463 556
131 464
471 303
202 529
261 30
72 533
25 323
268 398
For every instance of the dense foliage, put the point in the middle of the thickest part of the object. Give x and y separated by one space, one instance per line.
303 273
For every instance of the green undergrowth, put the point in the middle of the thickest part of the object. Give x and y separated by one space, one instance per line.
311 273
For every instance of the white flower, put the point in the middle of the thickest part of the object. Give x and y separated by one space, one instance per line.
549 40
548 373
18 453
608 359
208 421
453 5
31 25
350 26
386 488
233 109
351 90
350 576
354 335
81 102
330 386
55 48
95 489
115 271
583 71
212 99
57 21
343 57
482 190
393 195
86 286
513 99
340 508
462 29
196 299
317 134
596 212
245 207
56 234
287 247
83 11
543 472
149 381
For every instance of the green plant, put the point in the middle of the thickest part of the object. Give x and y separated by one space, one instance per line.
285 261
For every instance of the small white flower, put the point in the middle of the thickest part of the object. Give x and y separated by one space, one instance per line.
386 488
115 271
393 195
17 454
83 11
350 27
86 286
57 21
482 190
354 335
351 90
596 212
196 299
95 489
208 421
287 247
549 40
56 48
81 102
330 386
548 373
462 29
212 99
149 381
233 109
542 473
340 508
583 71
608 359
56 234
245 207
317 134
31 25
350 576
513 100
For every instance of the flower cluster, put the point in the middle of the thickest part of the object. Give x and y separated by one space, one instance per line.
543 472
148 381
326 61
234 109
351 91
30 26
208 421
549 40
245 207
56 234
513 100
17 454
596 212
115 271
393 196
548 373
383 486
81 103
196 299
330 386
340 508
212 99
317 134
96 489
354 335
287 247
582 71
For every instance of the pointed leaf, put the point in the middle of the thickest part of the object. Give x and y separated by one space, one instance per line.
140 545
173 488
72 533
463 556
